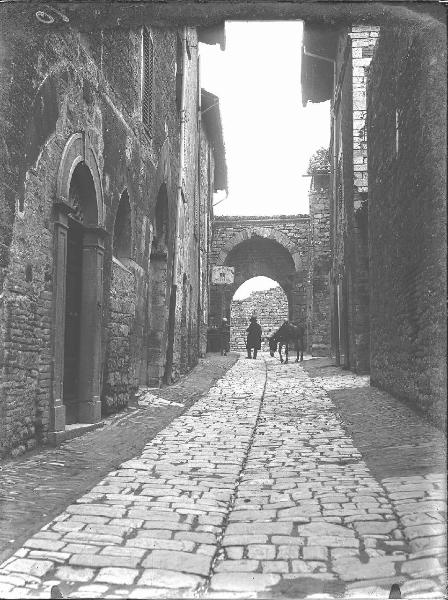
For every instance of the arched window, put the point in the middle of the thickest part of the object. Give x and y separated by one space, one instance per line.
122 241
147 79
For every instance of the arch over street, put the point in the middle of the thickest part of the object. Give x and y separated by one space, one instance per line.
275 247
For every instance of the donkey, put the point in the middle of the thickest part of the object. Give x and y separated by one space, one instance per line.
288 334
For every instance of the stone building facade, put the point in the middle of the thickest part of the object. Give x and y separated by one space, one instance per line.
335 63
269 306
319 309
285 249
102 143
406 127
387 199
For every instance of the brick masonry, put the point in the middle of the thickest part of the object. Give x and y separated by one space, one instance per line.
407 215
55 82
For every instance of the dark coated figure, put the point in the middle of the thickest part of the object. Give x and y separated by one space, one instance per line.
253 337
395 591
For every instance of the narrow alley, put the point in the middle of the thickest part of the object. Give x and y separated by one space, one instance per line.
259 490
185 186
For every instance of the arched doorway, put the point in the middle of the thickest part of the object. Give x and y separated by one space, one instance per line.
82 301
262 297
77 289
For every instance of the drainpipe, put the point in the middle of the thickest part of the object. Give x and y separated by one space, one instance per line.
319 56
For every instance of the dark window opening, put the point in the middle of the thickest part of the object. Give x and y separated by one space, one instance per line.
147 79
122 240
28 273
160 241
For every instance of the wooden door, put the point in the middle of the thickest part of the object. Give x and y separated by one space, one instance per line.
72 320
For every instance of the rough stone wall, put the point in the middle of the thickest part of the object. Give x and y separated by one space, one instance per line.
186 345
407 215
349 239
269 306
196 191
206 187
319 200
56 81
122 375
363 40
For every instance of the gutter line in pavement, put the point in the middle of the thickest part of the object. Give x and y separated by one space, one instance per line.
204 588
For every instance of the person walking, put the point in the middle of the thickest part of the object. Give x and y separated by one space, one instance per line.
224 337
253 337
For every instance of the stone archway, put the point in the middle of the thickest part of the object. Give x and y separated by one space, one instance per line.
78 288
258 252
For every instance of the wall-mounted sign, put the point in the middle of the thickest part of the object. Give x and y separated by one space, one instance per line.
223 275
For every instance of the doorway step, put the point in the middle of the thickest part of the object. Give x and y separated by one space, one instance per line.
72 431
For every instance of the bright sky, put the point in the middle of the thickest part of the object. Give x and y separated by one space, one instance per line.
256 283
269 136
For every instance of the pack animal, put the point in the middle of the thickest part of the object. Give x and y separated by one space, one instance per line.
288 335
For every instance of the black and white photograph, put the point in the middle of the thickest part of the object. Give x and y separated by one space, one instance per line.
223 330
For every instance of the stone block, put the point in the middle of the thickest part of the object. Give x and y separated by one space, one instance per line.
261 551
374 527
243 565
326 529
426 567
178 561
314 553
352 569
274 566
117 576
37 568
151 543
44 544
164 578
104 560
243 582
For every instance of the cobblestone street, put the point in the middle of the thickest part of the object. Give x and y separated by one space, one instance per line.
36 487
280 481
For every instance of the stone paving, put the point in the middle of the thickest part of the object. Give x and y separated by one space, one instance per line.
36 487
256 491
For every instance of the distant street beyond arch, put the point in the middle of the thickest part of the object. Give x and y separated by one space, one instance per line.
277 247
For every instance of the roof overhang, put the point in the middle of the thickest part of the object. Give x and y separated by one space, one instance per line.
318 54
214 34
211 117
